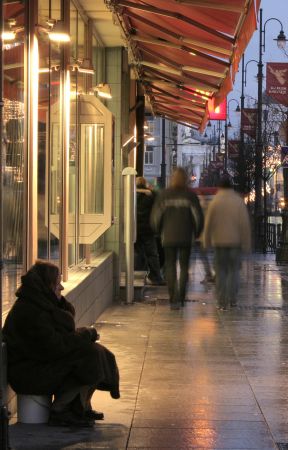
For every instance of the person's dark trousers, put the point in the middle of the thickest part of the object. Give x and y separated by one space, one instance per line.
148 247
227 266
177 290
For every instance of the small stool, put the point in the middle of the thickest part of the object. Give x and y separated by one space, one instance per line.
33 408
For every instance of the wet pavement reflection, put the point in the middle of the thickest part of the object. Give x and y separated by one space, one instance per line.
194 378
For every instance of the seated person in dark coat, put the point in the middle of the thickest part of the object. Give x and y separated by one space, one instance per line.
47 355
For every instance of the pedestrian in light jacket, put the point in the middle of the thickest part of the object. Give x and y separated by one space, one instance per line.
178 216
227 229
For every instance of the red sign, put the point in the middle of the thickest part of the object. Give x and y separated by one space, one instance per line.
277 82
249 121
233 149
218 112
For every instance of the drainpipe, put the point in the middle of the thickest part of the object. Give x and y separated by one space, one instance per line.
129 174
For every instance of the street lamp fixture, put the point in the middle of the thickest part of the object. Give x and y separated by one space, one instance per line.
245 70
281 40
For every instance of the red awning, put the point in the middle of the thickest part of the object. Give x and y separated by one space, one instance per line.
186 51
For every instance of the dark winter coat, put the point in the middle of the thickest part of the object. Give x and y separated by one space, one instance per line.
145 201
46 352
178 216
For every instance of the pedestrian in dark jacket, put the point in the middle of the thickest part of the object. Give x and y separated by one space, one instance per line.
178 216
146 243
47 355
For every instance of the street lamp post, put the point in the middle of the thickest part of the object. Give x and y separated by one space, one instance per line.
163 162
258 150
228 125
281 40
241 166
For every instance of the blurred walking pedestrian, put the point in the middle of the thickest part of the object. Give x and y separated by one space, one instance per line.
227 229
146 245
178 216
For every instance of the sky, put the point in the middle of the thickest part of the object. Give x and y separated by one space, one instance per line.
271 8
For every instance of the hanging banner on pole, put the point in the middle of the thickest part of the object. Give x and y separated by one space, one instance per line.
249 121
233 149
277 82
284 157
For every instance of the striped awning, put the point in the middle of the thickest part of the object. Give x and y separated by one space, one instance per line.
186 51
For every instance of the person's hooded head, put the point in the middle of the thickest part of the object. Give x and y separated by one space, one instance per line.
141 183
225 182
179 178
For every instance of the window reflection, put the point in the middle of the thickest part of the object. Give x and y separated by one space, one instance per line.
13 154
92 173
49 137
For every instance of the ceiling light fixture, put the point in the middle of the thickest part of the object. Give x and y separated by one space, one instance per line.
83 66
103 90
57 32
9 34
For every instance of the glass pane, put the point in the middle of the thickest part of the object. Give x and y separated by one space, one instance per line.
13 154
49 137
92 169
73 31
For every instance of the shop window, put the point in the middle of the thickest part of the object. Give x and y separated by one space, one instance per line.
13 154
149 155
92 168
49 135
95 125
92 122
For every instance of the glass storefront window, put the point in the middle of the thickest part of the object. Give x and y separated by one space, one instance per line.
49 137
92 169
13 148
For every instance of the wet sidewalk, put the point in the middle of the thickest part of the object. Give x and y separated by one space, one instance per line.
195 378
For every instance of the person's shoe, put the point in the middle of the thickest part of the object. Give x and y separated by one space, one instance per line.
94 415
156 282
69 419
148 281
221 308
115 393
174 306
208 279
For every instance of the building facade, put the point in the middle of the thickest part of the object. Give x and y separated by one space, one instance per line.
62 147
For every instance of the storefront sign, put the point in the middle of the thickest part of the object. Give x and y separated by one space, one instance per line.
249 121
277 82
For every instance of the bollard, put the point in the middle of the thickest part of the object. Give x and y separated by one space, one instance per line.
129 174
